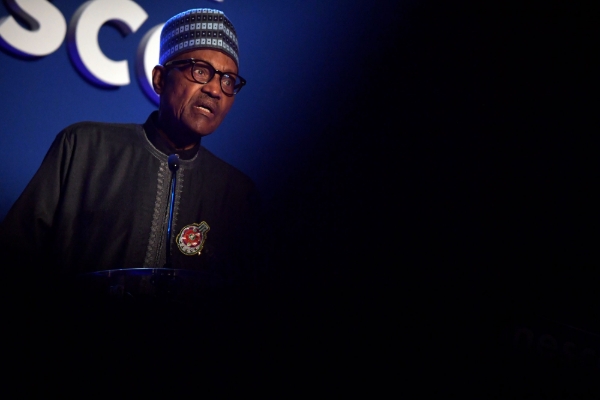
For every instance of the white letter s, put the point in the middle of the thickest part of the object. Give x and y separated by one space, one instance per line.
48 28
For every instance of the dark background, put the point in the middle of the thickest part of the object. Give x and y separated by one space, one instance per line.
429 187
452 197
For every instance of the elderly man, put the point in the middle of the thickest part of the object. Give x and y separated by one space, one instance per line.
101 198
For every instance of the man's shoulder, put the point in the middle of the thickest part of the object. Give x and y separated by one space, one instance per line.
97 130
222 170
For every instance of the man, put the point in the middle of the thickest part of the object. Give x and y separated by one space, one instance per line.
101 198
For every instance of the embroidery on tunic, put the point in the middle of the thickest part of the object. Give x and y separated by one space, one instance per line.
155 242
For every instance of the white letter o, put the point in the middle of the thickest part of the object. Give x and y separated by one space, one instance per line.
146 58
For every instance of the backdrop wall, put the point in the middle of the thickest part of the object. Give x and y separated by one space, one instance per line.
291 54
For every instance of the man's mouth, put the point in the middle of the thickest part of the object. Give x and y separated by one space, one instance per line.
204 107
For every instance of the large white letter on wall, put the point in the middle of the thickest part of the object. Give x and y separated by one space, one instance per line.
48 28
82 38
146 58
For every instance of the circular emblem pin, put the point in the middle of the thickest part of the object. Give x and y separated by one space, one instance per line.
191 238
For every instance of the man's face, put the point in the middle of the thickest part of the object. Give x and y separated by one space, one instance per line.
189 109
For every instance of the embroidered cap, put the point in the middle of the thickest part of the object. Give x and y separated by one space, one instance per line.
199 28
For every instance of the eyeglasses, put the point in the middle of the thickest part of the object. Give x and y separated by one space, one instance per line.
203 72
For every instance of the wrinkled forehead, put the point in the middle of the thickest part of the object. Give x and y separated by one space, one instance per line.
201 28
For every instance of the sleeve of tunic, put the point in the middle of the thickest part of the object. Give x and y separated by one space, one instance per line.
26 232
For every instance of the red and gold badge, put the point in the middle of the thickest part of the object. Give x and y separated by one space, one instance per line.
191 238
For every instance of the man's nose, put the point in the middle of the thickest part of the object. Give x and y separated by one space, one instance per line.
213 87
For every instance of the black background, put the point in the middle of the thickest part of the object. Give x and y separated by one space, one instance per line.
451 198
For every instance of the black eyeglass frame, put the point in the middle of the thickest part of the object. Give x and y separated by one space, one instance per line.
192 61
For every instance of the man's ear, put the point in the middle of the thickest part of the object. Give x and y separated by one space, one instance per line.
158 79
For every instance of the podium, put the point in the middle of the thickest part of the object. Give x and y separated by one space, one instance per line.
159 299
146 286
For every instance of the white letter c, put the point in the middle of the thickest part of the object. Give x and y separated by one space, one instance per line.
83 44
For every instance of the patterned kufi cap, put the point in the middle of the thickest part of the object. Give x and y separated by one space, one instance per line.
200 28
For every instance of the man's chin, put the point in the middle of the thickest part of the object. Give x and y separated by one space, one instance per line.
198 129
196 132
201 134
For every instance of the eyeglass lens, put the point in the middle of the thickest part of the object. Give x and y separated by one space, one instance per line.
203 73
